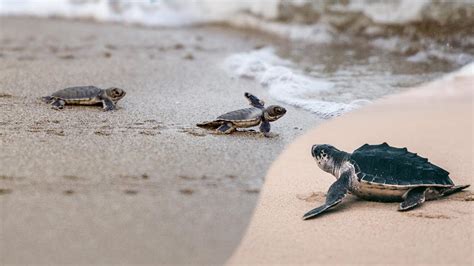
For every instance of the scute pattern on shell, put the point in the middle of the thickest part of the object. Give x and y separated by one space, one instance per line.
242 114
384 164
78 92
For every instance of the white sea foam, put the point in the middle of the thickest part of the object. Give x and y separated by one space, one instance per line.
389 12
264 15
465 71
179 12
428 55
313 33
285 84
149 12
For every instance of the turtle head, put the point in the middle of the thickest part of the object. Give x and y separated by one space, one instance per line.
274 112
115 94
328 157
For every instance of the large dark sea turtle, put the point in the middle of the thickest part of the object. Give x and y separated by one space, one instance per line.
381 173
248 117
85 95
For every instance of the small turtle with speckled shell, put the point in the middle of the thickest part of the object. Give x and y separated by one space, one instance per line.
381 173
85 95
258 114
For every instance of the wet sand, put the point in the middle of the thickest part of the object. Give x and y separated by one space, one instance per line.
436 121
140 184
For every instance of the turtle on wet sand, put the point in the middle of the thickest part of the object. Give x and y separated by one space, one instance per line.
85 95
381 173
248 117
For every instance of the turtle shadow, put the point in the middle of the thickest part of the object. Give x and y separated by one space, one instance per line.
202 132
247 133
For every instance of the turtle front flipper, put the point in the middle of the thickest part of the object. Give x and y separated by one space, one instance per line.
58 104
254 101
265 128
337 191
108 104
413 198
226 128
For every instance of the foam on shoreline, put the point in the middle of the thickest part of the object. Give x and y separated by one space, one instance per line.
285 84
317 22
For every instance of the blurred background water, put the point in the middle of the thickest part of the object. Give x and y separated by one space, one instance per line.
335 55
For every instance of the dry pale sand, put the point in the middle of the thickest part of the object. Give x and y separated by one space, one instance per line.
140 184
435 121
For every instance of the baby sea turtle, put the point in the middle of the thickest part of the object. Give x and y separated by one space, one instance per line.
85 95
248 117
381 173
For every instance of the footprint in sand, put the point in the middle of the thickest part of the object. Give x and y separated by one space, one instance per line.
6 177
186 177
188 56
56 132
193 131
427 215
66 56
148 133
186 191
4 191
135 177
71 177
252 190
130 191
68 192
461 196
102 132
5 95
312 197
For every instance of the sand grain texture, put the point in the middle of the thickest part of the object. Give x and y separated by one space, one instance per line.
436 122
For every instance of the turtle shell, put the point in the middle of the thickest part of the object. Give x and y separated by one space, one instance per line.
78 92
386 165
244 117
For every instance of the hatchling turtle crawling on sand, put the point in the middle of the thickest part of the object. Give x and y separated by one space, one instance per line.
381 173
248 117
85 95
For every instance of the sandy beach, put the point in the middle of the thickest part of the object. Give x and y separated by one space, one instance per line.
142 184
436 121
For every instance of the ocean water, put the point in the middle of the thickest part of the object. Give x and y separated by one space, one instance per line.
339 55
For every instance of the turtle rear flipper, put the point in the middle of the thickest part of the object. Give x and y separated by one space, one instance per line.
337 191
225 128
210 124
413 198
